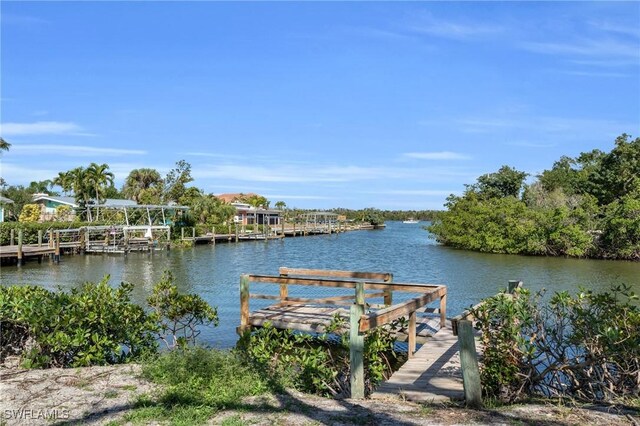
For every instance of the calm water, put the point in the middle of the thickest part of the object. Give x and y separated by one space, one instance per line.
403 249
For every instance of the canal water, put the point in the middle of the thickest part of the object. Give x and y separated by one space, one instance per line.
406 250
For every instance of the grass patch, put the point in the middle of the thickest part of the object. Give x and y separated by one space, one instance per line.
197 383
111 394
235 420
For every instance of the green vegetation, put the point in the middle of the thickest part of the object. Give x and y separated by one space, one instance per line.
384 215
319 363
197 383
96 324
587 206
31 229
585 347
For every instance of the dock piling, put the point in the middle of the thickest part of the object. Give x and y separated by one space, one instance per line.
56 254
19 255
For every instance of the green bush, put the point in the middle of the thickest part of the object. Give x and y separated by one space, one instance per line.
585 347
320 364
96 324
180 315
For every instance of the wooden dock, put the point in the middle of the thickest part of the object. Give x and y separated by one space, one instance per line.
28 250
433 375
316 319
314 314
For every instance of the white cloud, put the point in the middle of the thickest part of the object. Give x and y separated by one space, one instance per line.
428 24
41 128
442 155
277 197
325 173
412 192
586 48
72 150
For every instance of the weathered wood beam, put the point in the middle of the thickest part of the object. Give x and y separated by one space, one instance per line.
382 276
469 364
387 315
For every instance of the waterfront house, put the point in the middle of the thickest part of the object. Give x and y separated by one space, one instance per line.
249 215
50 204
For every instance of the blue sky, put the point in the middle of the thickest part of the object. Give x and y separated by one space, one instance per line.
386 104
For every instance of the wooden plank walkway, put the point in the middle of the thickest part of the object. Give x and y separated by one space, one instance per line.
315 319
432 375
28 250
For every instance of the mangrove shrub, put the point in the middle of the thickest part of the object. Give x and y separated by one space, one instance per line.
585 347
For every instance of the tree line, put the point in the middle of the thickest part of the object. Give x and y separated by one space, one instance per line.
587 206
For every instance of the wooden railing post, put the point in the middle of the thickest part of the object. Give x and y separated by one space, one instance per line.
469 364
388 294
284 288
12 237
443 310
51 238
356 345
412 334
244 302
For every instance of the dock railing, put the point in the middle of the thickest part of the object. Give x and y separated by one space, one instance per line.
360 321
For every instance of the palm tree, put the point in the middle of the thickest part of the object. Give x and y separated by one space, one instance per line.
99 177
75 180
65 181
141 181
4 145
281 205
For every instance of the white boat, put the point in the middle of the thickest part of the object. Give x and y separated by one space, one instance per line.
411 221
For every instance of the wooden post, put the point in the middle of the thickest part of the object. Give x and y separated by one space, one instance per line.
443 310
56 254
213 232
356 350
51 238
244 302
513 284
356 345
182 233
412 334
469 364
193 234
284 292
388 294
19 247
12 238
39 237
236 232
